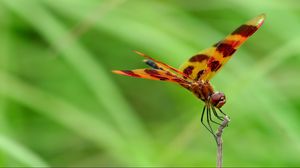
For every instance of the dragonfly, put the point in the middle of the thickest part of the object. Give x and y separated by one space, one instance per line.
195 74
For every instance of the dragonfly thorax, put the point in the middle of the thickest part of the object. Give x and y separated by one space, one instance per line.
205 92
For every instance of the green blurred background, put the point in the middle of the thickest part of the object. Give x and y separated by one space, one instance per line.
60 105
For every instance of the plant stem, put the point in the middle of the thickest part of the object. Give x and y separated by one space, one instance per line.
220 141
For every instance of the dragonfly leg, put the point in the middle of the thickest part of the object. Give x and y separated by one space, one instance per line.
216 114
210 117
202 115
222 112
208 122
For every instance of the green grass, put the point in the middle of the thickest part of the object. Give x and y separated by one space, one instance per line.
60 105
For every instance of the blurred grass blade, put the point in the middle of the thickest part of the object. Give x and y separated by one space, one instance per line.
111 23
66 114
91 71
20 153
5 46
280 110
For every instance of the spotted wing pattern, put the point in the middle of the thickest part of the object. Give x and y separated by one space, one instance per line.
153 74
195 66
161 65
204 65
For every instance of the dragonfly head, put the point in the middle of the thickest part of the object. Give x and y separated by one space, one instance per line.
218 99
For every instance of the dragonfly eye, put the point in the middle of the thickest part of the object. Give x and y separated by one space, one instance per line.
218 99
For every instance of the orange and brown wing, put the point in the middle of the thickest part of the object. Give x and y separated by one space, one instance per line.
207 63
163 66
195 66
227 47
153 74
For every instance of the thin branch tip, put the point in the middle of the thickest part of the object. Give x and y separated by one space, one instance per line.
220 141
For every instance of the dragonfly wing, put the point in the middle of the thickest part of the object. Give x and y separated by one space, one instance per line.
225 48
160 65
153 74
205 64
195 66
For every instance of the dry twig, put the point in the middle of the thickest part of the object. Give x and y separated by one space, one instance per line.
220 141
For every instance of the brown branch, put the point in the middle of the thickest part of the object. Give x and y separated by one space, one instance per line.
220 141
